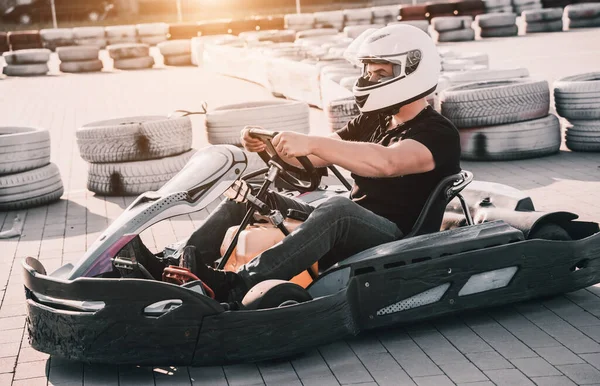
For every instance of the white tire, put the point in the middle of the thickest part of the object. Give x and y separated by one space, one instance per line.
316 32
52 34
459 35
77 53
134 63
152 40
178 60
96 42
88 33
271 114
32 188
582 11
528 139
449 23
120 31
26 69
93 65
486 75
490 20
329 17
123 40
539 15
152 29
23 148
298 19
497 3
175 47
359 14
134 178
139 138
27 56
354 31
128 50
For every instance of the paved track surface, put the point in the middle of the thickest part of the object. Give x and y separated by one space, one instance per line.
552 341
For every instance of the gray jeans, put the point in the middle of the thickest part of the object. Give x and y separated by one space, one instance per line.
335 230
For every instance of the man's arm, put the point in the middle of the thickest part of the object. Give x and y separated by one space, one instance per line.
362 158
317 161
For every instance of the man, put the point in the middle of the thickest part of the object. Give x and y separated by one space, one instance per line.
397 150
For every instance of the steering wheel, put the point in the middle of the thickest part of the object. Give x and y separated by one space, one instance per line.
313 176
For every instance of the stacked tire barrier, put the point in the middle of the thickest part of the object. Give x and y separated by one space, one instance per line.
76 59
453 28
385 14
329 19
24 40
27 177
152 33
29 62
577 98
129 156
359 16
494 25
176 52
543 20
117 34
299 22
340 112
130 56
90 36
519 6
498 6
53 38
224 123
503 119
584 15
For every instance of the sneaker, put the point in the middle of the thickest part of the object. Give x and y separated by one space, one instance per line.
227 286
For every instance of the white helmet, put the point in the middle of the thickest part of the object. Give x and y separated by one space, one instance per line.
416 65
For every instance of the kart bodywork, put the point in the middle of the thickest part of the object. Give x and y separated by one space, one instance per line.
78 314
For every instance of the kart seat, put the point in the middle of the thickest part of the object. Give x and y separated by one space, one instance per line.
432 214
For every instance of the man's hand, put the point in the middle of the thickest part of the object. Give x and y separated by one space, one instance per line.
251 144
290 144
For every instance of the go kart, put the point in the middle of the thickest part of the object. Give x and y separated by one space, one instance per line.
475 244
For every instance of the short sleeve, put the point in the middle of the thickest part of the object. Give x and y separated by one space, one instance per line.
443 141
356 129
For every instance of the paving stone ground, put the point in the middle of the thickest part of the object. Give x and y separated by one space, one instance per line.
553 341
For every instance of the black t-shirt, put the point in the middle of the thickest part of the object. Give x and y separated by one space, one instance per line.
401 199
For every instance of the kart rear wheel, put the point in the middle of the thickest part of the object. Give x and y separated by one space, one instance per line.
274 294
550 232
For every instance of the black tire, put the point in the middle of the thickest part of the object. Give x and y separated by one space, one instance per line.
492 20
495 102
274 294
550 232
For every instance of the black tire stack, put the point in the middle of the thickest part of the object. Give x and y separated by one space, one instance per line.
543 20
27 177
453 28
494 25
583 15
75 59
28 62
503 119
577 98
129 156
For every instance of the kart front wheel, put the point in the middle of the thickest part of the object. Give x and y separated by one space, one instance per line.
274 294
550 232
